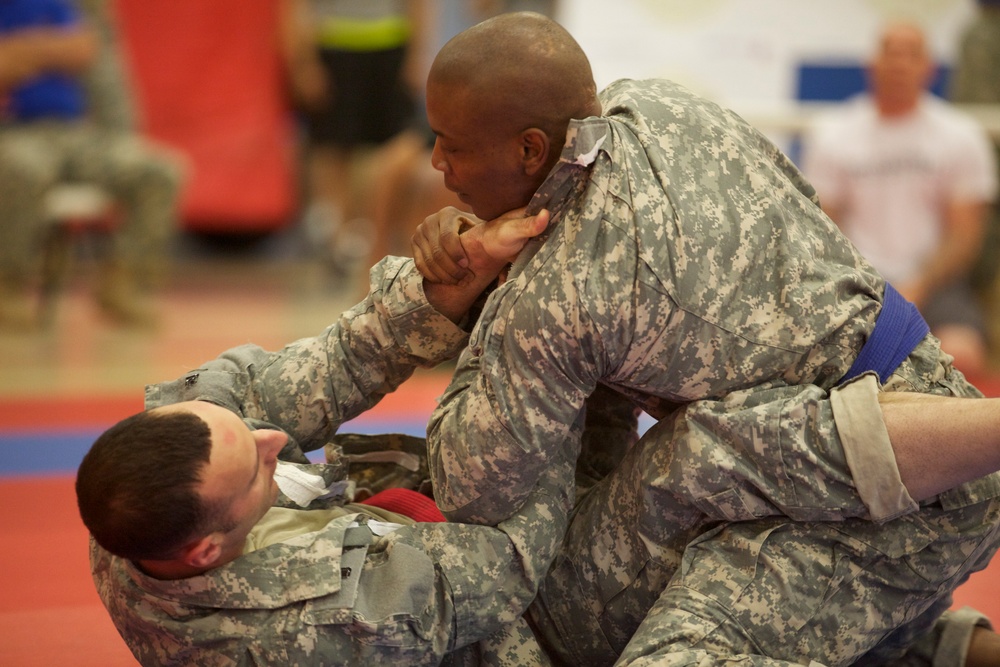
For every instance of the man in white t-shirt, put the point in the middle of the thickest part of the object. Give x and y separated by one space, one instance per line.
908 178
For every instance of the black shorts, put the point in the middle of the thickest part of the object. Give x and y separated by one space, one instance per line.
370 102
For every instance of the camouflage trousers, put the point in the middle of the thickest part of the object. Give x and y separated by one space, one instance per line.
716 540
143 180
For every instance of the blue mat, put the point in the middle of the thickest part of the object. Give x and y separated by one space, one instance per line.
41 452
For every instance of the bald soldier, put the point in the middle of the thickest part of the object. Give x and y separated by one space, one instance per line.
689 267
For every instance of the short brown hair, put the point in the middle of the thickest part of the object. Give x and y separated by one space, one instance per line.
137 487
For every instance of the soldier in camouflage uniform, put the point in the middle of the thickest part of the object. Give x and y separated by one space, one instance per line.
974 81
340 586
278 602
89 136
689 267
425 593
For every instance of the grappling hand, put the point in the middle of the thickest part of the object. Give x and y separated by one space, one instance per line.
451 246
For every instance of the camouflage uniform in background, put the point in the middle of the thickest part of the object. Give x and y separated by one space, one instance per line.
103 149
689 267
975 81
346 589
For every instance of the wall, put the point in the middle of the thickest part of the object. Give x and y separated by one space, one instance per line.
745 53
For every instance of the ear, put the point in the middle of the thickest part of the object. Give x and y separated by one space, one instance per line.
203 553
534 150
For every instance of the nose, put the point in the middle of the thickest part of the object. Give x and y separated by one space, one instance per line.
269 442
437 157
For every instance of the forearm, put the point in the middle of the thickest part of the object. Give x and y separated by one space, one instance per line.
480 473
315 384
503 419
31 52
959 248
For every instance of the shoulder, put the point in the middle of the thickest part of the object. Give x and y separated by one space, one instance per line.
647 95
853 113
951 122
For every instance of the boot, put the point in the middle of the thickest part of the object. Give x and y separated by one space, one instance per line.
17 309
121 299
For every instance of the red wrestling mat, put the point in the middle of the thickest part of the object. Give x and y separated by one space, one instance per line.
49 611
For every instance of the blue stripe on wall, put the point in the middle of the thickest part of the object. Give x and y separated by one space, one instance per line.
833 82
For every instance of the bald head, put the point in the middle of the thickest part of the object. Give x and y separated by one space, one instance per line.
500 97
901 69
524 67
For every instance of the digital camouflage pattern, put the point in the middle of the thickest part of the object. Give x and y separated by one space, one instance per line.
427 589
346 594
689 267
425 594
686 259
313 385
376 463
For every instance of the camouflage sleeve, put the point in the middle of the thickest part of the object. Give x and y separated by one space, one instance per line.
516 399
315 384
973 79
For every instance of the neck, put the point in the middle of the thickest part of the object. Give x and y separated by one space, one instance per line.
894 107
169 569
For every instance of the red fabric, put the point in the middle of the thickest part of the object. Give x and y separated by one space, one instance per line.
210 82
409 503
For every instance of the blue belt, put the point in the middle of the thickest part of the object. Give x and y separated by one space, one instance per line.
899 328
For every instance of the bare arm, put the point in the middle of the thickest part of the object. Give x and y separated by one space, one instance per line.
25 54
964 229
418 51
307 79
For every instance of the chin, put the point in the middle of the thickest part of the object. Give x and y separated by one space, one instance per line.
484 213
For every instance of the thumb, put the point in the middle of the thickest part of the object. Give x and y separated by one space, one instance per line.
504 237
515 233
537 223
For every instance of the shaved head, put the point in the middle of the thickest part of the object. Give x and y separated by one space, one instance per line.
525 68
901 69
500 97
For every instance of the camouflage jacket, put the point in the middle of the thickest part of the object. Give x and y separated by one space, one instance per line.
314 385
431 592
974 80
687 258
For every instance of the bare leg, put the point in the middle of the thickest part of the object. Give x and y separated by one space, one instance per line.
329 174
941 442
